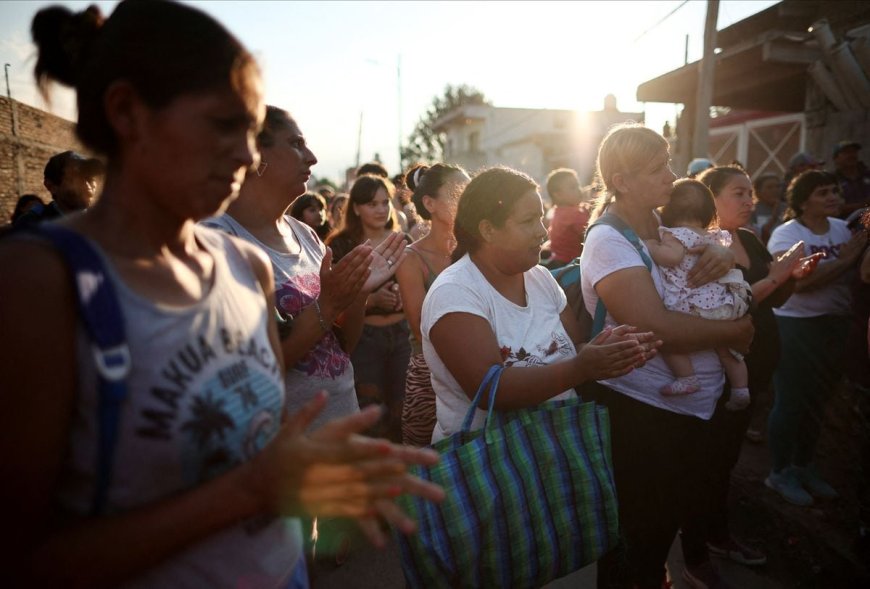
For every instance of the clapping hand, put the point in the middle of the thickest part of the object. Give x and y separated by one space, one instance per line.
340 284
616 352
336 472
785 265
807 265
648 341
387 256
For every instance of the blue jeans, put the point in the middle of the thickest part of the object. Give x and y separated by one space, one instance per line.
380 361
810 366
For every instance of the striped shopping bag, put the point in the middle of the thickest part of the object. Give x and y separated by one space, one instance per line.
530 498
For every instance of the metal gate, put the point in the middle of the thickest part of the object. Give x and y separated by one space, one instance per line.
762 146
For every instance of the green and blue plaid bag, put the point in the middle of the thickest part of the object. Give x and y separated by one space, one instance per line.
530 498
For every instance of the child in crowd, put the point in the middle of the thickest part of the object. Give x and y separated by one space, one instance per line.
687 221
570 216
310 208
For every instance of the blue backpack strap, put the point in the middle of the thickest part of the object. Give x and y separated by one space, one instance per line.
101 316
631 236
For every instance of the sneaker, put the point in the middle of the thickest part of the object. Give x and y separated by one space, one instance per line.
811 481
786 484
737 552
704 576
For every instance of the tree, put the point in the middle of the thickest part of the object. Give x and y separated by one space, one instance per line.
424 143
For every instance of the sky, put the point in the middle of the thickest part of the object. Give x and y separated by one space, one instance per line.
331 63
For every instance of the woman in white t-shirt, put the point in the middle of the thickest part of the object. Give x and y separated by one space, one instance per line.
656 439
496 305
813 325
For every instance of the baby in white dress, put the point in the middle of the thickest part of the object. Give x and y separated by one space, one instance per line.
688 221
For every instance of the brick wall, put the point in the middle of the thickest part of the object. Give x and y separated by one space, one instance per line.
40 135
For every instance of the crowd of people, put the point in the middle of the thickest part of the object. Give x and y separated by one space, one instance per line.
288 354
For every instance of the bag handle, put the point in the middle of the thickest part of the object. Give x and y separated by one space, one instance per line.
490 382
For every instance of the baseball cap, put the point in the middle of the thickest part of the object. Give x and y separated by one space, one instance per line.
804 158
57 163
845 145
698 165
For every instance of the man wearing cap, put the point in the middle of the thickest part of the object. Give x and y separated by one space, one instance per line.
71 178
853 177
800 163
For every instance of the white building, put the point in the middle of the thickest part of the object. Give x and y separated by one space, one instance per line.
534 141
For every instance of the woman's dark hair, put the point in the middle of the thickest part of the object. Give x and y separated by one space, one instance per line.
426 180
24 201
716 179
802 186
690 200
363 192
163 49
373 169
491 195
276 119
309 199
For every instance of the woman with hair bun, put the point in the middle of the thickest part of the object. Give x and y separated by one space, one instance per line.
208 470
436 191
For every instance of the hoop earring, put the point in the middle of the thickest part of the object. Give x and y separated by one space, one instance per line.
261 169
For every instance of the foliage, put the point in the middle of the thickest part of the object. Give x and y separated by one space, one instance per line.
426 145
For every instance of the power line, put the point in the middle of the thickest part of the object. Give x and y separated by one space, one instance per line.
666 17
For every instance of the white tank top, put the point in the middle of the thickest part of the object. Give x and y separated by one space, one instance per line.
204 395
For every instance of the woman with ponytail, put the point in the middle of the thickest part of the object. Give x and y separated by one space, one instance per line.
436 191
656 439
496 305
208 470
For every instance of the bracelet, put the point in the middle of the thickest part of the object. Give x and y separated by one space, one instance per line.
323 325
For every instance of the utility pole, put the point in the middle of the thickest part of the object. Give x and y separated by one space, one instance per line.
705 83
13 112
399 103
6 67
359 139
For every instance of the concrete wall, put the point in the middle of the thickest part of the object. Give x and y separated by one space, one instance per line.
28 137
825 126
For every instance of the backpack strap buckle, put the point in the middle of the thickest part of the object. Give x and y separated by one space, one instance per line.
113 363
